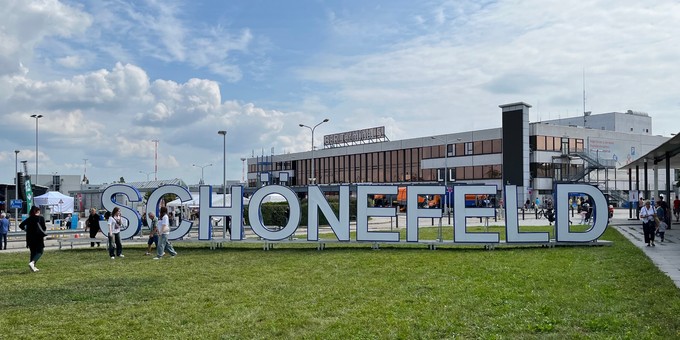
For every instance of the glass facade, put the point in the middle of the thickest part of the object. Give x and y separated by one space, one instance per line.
556 171
392 166
550 143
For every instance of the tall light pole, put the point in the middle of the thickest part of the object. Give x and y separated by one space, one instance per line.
597 174
202 167
155 160
446 174
146 173
85 170
35 181
224 167
26 187
313 178
243 170
16 188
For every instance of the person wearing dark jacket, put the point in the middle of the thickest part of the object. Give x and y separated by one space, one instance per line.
35 229
92 224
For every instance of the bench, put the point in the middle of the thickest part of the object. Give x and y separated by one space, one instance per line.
80 240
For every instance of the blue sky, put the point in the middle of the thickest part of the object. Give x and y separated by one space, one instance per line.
110 76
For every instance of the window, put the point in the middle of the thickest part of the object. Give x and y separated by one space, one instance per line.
460 149
469 148
487 147
477 148
427 152
540 142
497 146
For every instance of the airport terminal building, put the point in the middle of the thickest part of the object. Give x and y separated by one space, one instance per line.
531 155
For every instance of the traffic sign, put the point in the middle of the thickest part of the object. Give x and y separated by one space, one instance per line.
16 204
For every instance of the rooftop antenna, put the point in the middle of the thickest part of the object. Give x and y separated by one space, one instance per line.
584 97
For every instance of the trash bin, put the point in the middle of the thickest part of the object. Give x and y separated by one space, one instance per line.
74 222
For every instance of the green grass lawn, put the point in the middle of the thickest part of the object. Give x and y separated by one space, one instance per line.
345 291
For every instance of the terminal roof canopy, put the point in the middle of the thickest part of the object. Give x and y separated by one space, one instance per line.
658 155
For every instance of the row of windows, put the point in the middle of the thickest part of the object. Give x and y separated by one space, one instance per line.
388 166
550 143
483 147
381 167
430 175
555 171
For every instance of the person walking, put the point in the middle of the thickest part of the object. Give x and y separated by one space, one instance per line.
36 231
661 227
164 231
665 216
115 223
648 215
153 237
92 224
4 229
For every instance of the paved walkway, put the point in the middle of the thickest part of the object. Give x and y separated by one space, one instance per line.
666 255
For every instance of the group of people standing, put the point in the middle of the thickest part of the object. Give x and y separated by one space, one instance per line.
655 220
36 231
158 236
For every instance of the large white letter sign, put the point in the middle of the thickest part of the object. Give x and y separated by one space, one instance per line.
206 211
413 212
317 201
109 202
255 214
363 212
460 233
562 231
152 204
512 233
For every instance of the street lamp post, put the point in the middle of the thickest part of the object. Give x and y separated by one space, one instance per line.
313 178
446 176
224 167
35 181
16 188
146 173
243 170
597 174
202 167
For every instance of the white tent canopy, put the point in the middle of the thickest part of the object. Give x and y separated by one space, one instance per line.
58 202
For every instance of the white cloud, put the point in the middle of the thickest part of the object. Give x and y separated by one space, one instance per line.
488 54
157 29
112 116
72 61
106 82
26 23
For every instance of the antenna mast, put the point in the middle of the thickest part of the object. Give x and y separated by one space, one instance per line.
584 97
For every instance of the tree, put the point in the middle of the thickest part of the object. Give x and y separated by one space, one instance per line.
122 180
